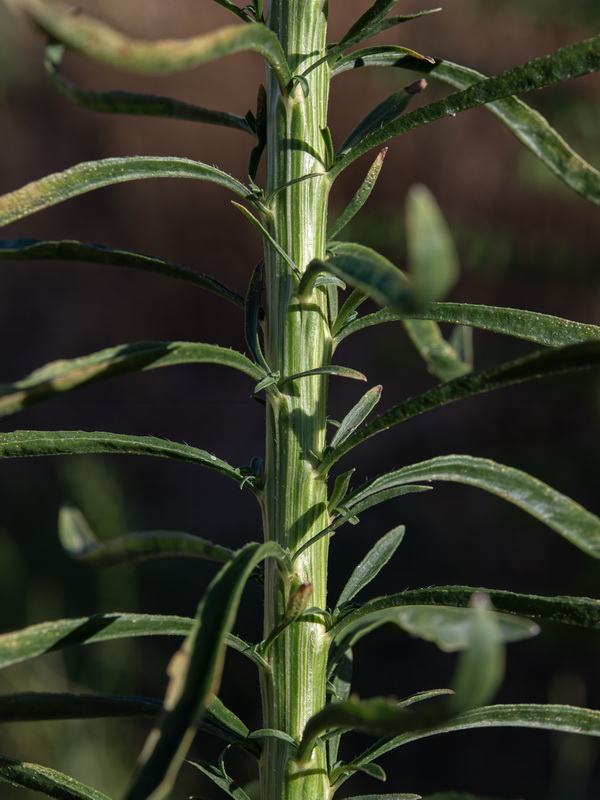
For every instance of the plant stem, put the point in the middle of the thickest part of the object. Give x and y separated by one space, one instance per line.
297 339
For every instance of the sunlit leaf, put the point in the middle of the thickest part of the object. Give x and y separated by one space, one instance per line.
372 564
330 369
46 781
357 415
360 198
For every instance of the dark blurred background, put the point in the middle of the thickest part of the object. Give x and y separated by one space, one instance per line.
524 239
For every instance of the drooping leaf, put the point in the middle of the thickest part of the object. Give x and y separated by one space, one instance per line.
46 781
360 198
63 376
196 673
90 175
357 415
368 271
528 125
372 564
571 61
441 358
30 706
554 509
219 778
100 42
66 250
80 542
147 105
545 363
528 325
330 369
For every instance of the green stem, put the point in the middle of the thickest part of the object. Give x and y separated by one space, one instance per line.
297 339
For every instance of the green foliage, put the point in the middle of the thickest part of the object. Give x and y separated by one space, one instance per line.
293 320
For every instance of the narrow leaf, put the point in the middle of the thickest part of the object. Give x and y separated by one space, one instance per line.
372 22
271 733
354 507
372 564
528 125
220 779
80 542
21 444
441 358
360 198
568 62
347 312
31 706
90 175
66 250
331 369
357 415
540 364
45 780
147 105
266 235
196 674
98 41
340 489
63 376
230 6
252 316
554 509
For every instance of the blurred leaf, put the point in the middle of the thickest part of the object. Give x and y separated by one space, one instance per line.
45 780
528 125
35 249
196 673
441 358
330 369
554 509
568 62
432 257
80 542
63 376
368 271
528 325
360 198
372 564
147 105
100 42
540 364
230 6
29 706
461 341
357 415
90 175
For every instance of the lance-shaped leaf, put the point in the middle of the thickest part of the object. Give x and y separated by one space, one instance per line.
441 358
146 105
21 444
252 317
340 489
220 778
68 250
383 113
29 706
100 42
357 415
529 325
528 125
372 564
347 312
196 673
537 365
46 781
63 376
568 62
90 175
81 543
554 509
368 271
330 369
360 198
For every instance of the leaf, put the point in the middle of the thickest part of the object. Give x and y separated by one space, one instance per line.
432 257
528 125
441 358
68 250
368 271
360 198
196 673
222 722
29 706
98 41
372 564
147 105
251 319
568 62
348 311
21 444
540 364
554 509
63 376
340 488
80 542
90 175
529 325
383 113
357 415
330 369
222 780
387 797
352 509
266 235
230 6
45 780
271 733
